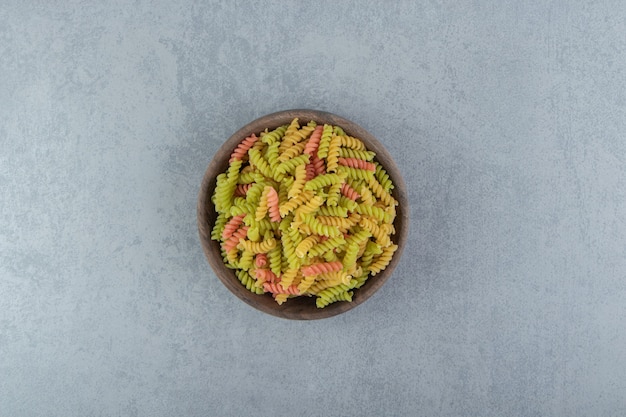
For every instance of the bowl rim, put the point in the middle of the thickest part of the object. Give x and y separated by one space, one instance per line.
298 308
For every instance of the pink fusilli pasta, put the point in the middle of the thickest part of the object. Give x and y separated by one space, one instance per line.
232 226
267 276
319 268
273 205
278 289
260 260
357 163
233 241
242 149
314 141
319 165
349 192
310 172
242 190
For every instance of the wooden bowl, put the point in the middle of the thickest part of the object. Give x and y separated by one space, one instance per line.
298 308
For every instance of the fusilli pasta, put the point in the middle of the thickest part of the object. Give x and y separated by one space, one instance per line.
304 211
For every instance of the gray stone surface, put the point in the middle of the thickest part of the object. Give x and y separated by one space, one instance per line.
507 118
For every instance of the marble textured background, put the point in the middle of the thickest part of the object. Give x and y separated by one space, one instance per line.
507 118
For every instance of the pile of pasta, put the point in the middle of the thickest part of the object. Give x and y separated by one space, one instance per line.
304 211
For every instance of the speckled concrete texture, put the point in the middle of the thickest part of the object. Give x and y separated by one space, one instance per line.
507 118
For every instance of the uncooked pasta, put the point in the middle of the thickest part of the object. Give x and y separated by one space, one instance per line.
304 211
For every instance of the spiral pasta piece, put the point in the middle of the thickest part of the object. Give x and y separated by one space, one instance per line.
332 159
291 135
383 260
292 152
309 207
367 197
233 241
257 247
332 211
288 277
254 233
357 163
391 211
232 226
260 260
263 204
220 223
381 236
347 203
337 130
289 252
344 296
375 212
242 149
307 131
253 196
306 244
275 259
353 153
340 222
278 289
318 268
314 141
283 192
305 283
332 292
310 171
294 134
246 260
262 226
352 249
242 189
355 173
280 298
381 193
353 143
232 257
248 281
319 165
258 161
334 278
388 228
330 256
225 187
319 228
287 181
291 164
294 203
362 246
366 260
383 177
295 238
321 285
273 136
271 156
272 205
241 206
299 181
349 192
322 150
266 275
334 191
249 177
324 180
